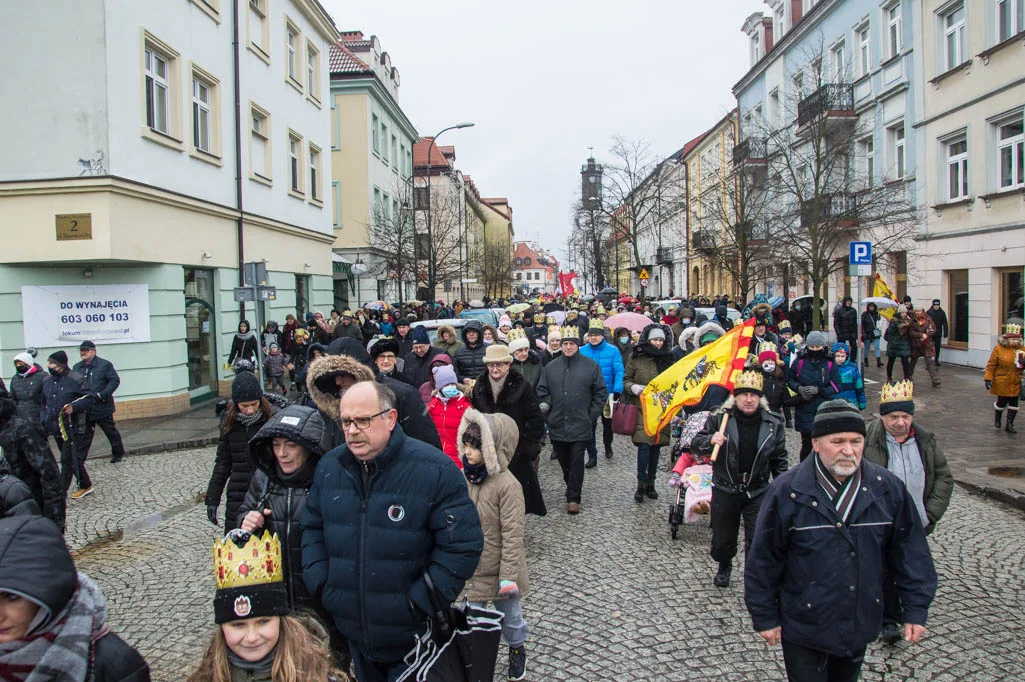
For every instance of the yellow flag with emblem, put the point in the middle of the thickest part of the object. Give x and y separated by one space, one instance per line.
881 288
687 380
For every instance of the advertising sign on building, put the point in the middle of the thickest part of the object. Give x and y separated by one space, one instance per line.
68 315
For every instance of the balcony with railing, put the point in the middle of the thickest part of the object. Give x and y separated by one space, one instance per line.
753 234
833 102
839 210
663 256
702 239
750 151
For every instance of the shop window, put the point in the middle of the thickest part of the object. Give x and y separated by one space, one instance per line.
957 294
1011 295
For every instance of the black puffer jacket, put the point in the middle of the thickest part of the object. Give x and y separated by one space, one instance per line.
34 562
27 392
285 495
101 380
418 369
469 360
770 458
845 323
30 459
62 389
233 467
15 497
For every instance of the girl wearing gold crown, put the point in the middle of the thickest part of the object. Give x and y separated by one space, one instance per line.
257 637
1003 375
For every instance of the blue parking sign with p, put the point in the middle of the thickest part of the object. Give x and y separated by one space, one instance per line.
861 253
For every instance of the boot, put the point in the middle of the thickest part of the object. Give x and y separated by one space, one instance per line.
517 662
1011 414
866 361
639 495
996 418
608 452
879 362
722 578
649 490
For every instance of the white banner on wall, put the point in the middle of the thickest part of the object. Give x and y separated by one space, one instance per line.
104 313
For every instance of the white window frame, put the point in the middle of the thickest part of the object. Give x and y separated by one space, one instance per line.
863 36
867 152
1015 14
955 164
211 109
258 40
384 143
894 30
312 72
958 30
211 8
896 139
316 174
295 157
167 132
158 91
395 153
838 61
1014 146
260 128
375 134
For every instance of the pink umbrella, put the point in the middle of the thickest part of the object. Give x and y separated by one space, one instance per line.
635 322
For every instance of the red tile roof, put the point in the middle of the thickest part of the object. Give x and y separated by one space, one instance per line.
440 154
342 60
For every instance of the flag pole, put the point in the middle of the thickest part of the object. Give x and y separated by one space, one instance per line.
721 431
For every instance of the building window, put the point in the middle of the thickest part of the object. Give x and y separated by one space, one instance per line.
518 275
402 153
954 37
864 36
374 134
1011 151
312 72
957 168
897 147
798 81
395 153
315 174
894 31
868 155
957 295
295 155
206 101
1011 295
838 61
258 30
259 144
212 8
293 38
1010 18
336 196
774 106
384 143
157 91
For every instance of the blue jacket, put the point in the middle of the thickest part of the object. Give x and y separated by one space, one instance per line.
365 552
610 360
808 372
822 579
101 381
850 385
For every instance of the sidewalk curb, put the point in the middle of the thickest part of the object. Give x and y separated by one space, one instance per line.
1007 497
171 446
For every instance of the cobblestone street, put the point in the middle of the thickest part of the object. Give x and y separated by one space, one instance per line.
613 597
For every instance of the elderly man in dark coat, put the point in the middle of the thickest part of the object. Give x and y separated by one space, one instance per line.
101 381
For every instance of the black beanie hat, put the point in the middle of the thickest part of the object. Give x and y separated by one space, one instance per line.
60 357
245 387
837 416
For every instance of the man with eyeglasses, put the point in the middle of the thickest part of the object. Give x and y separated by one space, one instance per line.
385 513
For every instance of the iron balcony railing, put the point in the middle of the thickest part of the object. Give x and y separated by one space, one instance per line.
837 209
751 149
830 97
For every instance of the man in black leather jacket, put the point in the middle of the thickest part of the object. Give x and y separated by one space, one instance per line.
752 448
101 382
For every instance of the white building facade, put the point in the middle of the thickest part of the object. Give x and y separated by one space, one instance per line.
128 126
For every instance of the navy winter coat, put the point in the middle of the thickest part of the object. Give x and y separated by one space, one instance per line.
101 381
574 390
60 390
365 551
820 578
808 372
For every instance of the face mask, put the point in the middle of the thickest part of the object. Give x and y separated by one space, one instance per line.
769 367
55 371
624 340
816 353
450 391
685 320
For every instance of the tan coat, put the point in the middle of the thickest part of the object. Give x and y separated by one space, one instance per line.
1002 369
499 501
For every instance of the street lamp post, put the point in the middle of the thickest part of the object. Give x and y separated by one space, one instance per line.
430 244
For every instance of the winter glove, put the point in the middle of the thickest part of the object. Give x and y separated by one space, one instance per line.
989 384
616 396
636 389
675 481
508 588
211 513
545 407
808 392
540 343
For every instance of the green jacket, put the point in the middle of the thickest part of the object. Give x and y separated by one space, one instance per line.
898 345
939 483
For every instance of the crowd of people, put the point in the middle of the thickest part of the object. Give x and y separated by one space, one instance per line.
378 473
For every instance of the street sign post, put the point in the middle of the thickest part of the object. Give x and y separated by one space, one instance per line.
861 266
251 293
644 277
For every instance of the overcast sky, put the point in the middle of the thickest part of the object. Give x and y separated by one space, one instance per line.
543 80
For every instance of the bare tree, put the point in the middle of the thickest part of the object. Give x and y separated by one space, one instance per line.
822 196
589 245
391 238
496 268
438 239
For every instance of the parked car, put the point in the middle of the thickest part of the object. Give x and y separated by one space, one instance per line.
485 315
731 313
432 325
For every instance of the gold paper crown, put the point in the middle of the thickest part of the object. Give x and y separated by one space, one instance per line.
595 323
1012 330
749 378
571 333
256 563
601 310
550 321
902 391
517 333
767 347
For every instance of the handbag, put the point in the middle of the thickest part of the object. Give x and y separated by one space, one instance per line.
624 418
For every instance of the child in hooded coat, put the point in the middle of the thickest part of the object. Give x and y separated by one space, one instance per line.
486 444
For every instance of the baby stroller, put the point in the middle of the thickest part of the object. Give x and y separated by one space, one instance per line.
692 475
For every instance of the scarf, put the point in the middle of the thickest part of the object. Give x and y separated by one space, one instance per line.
301 477
502 336
841 494
475 473
63 651
249 420
264 665
497 386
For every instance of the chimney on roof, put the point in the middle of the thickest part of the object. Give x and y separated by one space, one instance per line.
351 36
